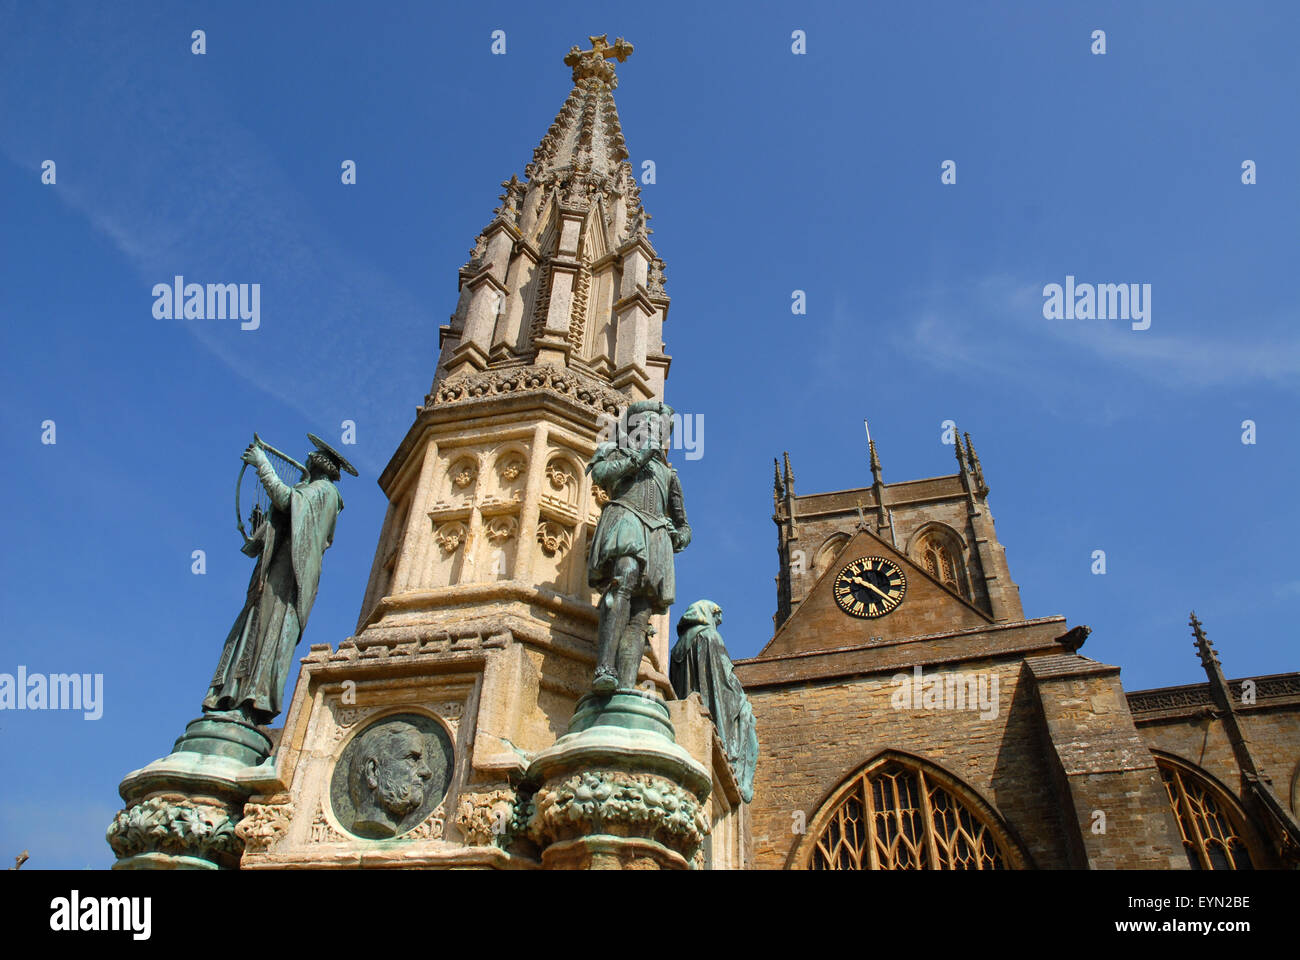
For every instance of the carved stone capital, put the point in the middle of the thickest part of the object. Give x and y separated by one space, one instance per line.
264 824
177 826
486 819
618 803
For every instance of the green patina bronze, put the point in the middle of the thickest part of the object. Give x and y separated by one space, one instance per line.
289 542
701 664
642 526
391 776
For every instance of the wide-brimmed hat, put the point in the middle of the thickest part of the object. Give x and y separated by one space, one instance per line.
333 454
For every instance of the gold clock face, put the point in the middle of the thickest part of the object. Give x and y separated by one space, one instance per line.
870 587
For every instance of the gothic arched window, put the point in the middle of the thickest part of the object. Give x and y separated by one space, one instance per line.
898 815
940 555
1212 826
828 552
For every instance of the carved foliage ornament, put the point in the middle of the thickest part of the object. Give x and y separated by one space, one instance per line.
463 475
626 804
501 529
432 827
451 535
346 717
558 474
554 538
264 824
545 378
174 826
486 819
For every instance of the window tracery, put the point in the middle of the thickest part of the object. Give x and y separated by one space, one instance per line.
940 555
1212 829
896 816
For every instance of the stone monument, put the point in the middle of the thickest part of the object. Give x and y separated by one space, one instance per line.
468 722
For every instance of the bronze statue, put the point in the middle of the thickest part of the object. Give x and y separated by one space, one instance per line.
288 542
701 664
642 526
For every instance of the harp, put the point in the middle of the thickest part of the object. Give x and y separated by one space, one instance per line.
289 470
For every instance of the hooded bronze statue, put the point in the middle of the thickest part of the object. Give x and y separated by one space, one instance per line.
700 664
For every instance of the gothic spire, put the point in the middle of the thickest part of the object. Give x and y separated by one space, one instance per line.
583 157
777 492
565 277
789 476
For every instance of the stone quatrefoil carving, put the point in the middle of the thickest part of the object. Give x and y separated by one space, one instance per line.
501 529
463 476
451 535
559 475
553 537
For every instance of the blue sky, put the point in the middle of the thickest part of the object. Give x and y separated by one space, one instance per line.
775 172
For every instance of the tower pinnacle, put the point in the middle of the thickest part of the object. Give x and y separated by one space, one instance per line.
872 455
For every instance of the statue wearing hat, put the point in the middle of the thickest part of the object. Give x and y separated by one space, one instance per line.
288 541
642 526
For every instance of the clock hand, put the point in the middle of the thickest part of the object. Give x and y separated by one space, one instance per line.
867 583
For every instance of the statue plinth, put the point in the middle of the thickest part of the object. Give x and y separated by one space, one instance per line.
181 810
617 792
224 735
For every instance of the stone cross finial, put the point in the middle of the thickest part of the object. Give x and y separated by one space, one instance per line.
594 62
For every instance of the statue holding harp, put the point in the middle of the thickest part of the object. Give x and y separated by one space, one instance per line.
292 526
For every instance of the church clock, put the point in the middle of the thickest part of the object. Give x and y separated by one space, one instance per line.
870 587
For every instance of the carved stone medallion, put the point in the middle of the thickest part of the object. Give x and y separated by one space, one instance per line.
391 776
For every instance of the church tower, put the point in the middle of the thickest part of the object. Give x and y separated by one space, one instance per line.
951 732
942 523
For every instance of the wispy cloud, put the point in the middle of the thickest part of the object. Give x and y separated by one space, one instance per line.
1287 590
995 327
180 186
